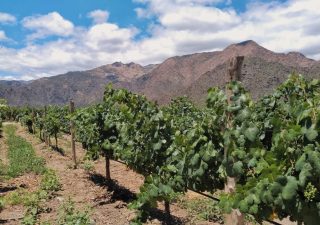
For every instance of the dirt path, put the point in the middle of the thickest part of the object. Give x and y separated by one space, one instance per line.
108 201
29 182
3 149
77 185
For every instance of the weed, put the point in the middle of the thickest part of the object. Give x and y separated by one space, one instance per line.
1 204
68 215
88 166
33 201
202 209
18 197
45 223
3 171
50 182
30 217
70 166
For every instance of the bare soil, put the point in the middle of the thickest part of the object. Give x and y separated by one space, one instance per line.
3 149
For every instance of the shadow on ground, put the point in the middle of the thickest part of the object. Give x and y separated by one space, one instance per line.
59 150
117 192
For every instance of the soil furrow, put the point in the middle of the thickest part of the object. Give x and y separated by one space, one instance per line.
108 201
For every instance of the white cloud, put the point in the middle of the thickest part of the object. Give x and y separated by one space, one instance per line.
3 36
47 25
207 19
142 13
153 3
181 27
7 18
161 7
196 26
99 16
108 37
92 47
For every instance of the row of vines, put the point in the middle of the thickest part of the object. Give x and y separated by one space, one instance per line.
269 147
3 108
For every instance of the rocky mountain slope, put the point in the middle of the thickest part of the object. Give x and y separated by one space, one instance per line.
85 87
188 75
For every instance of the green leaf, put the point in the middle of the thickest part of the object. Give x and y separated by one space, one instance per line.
290 190
253 209
157 146
206 157
311 134
199 172
243 206
172 168
300 162
237 168
275 189
195 159
305 174
251 133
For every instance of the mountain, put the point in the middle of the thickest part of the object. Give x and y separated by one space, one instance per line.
188 75
263 70
85 87
194 74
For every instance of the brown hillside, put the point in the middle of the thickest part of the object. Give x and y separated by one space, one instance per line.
188 75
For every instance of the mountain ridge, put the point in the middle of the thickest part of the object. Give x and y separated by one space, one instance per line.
189 75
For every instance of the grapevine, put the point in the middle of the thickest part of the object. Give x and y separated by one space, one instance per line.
269 147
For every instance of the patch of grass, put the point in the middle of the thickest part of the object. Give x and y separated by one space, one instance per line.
67 143
208 210
45 223
2 168
50 182
49 185
17 197
68 215
1 204
3 171
88 166
22 157
202 209
33 200
23 197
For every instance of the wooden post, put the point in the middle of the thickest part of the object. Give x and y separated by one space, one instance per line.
56 138
234 69
167 210
108 175
33 122
72 131
45 135
234 74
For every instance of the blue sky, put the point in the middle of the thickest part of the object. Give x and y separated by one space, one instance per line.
74 10
47 37
122 12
